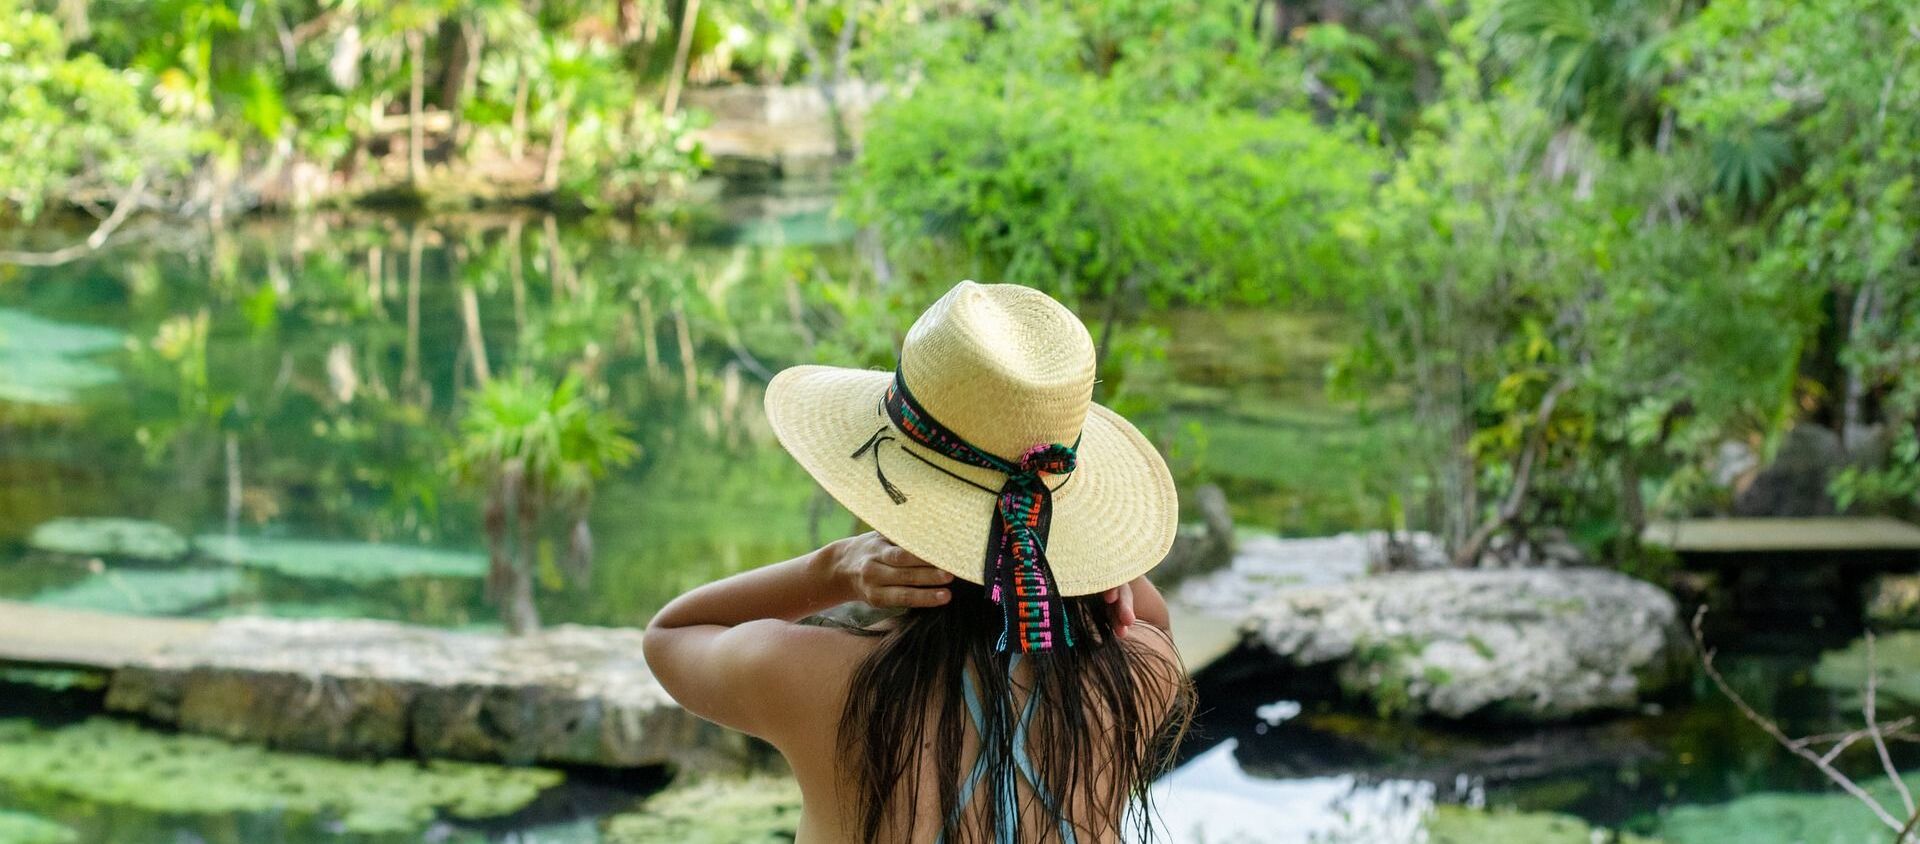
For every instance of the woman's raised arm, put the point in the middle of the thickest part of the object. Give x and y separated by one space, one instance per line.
709 646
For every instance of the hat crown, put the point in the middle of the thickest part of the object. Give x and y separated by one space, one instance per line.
1004 366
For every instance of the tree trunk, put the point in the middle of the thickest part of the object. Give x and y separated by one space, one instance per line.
649 336
520 614
416 94
410 360
556 150
75 23
517 274
476 341
517 143
518 611
463 73
687 363
677 76
1854 429
628 21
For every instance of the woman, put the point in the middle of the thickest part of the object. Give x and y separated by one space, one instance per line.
1029 690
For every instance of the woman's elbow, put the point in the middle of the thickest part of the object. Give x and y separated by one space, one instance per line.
656 644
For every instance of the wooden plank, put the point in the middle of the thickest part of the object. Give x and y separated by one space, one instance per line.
55 636
1831 533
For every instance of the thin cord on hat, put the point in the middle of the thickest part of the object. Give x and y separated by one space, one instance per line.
882 435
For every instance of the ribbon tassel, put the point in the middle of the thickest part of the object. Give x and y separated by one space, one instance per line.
1033 613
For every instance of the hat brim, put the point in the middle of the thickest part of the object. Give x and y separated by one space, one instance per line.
1114 516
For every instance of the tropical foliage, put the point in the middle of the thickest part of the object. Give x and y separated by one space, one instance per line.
1596 246
536 448
211 106
1597 243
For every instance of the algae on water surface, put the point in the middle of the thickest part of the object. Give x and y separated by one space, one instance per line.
147 592
754 810
39 358
1460 825
109 762
346 561
22 828
109 537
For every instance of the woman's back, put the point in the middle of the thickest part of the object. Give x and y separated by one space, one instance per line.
822 670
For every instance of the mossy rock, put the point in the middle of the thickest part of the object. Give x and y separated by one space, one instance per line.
755 810
1896 655
1894 601
1785 818
147 592
1461 825
22 828
110 762
358 562
133 539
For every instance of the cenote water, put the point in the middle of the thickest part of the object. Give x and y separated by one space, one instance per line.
277 398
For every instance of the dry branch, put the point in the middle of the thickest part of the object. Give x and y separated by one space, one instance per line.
128 201
1804 747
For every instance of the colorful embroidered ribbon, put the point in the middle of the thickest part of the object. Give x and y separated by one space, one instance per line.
1017 574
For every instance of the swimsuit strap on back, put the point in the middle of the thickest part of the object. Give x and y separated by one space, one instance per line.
1009 809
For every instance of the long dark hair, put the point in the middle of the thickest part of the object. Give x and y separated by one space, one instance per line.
1100 731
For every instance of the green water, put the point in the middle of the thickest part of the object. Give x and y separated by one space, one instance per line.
295 382
281 395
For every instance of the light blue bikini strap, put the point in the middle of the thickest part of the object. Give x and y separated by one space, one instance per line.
1009 809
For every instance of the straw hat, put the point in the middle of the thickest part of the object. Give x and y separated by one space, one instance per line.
1006 368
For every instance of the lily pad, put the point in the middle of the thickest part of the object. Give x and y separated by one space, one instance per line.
129 538
349 561
147 592
109 762
1461 825
24 333
1785 818
22 828
54 680
1896 655
754 810
39 359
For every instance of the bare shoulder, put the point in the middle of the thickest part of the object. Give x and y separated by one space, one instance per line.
1150 637
757 677
1157 667
784 649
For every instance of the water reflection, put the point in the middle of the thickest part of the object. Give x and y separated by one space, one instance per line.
297 383
1211 799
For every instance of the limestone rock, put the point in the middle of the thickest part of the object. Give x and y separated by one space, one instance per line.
1795 483
779 132
1198 549
1264 562
570 695
1894 601
1523 645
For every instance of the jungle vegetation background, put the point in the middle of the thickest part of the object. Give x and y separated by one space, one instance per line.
1592 244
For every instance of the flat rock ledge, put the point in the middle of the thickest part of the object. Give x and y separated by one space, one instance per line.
1529 645
567 695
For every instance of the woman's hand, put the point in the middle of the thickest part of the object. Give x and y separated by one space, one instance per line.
878 572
